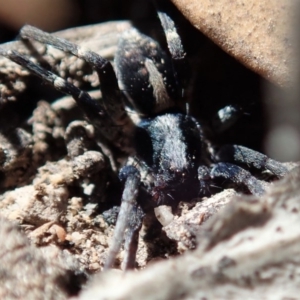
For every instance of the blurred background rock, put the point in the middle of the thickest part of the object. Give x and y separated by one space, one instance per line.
53 15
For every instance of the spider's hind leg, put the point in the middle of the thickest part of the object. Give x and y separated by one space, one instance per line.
174 43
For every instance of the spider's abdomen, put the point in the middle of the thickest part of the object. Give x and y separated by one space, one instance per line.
145 73
171 146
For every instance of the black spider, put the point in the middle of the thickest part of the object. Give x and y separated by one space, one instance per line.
169 157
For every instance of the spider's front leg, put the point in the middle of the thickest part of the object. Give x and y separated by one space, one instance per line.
227 168
244 156
231 174
129 218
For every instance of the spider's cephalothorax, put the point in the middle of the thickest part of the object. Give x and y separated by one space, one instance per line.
170 159
171 146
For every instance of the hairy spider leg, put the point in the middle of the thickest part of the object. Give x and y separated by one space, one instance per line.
132 237
238 176
173 39
112 101
242 155
226 117
129 218
174 45
227 168
93 109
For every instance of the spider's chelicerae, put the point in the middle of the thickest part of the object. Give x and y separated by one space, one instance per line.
169 157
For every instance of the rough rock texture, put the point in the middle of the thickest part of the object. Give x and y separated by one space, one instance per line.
249 250
257 33
29 273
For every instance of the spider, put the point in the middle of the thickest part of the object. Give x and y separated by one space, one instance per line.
169 156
